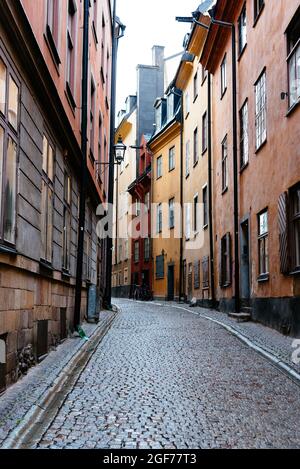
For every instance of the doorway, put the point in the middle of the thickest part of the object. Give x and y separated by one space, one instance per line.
171 282
245 260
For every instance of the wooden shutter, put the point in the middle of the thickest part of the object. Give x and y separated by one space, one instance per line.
283 203
229 258
160 267
221 263
197 275
205 272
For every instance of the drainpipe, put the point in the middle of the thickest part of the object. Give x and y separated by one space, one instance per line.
235 176
210 189
83 179
181 203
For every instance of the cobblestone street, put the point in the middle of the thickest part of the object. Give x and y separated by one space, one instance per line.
165 378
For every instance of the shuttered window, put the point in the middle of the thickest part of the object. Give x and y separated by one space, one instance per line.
283 233
295 228
160 267
197 275
205 272
263 243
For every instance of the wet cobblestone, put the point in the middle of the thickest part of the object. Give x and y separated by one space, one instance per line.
165 378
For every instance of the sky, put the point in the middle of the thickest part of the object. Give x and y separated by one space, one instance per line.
148 23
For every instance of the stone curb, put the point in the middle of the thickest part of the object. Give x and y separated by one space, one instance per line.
40 410
283 366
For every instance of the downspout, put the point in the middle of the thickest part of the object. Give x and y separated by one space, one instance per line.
210 189
235 176
83 179
181 295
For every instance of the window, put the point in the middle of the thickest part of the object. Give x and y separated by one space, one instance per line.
224 164
100 130
136 251
187 221
126 276
147 249
260 111
242 24
159 167
137 208
187 158
204 74
160 266
244 141
205 207
293 60
204 132
295 224
126 250
171 158
187 103
158 117
159 219
67 221
9 119
263 251
196 208
171 214
225 272
52 30
147 202
195 86
196 275
196 154
103 36
71 53
92 114
95 19
47 201
258 6
170 106
224 76
205 273
88 244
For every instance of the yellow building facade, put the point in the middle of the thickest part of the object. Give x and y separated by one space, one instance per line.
192 80
166 222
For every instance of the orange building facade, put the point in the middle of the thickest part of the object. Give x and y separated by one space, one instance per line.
268 159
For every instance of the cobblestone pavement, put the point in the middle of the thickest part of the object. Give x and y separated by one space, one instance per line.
269 339
20 397
165 378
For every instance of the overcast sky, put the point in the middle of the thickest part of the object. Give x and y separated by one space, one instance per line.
148 23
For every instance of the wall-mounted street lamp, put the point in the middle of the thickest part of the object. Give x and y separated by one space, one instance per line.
120 150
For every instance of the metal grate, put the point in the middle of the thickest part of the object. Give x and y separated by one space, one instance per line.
42 338
63 323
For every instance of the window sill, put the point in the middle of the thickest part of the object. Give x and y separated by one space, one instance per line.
204 151
187 176
102 76
292 108
195 164
195 99
172 169
205 227
258 15
95 33
46 267
224 190
295 272
243 167
226 285
261 146
203 81
223 94
8 250
70 97
263 278
159 177
187 115
52 47
66 274
242 52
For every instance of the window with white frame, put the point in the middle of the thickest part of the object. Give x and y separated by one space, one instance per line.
187 158
293 59
187 103
242 26
159 167
136 251
9 135
260 111
147 202
159 218
47 201
263 239
224 164
224 76
71 51
147 249
187 221
244 140
171 158
171 213
205 206
196 213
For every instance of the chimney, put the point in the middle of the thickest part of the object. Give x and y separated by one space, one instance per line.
158 55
